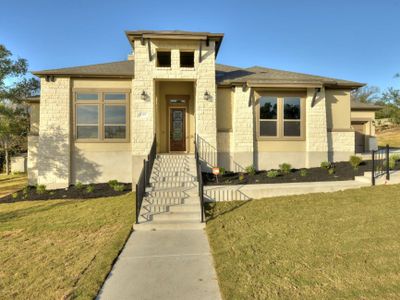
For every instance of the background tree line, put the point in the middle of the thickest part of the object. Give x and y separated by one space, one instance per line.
15 87
389 99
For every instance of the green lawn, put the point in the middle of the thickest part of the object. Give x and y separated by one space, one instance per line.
343 245
61 249
11 183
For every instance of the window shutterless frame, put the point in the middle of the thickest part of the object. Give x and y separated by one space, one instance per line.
101 103
280 121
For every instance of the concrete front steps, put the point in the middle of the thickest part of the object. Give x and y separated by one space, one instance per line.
172 201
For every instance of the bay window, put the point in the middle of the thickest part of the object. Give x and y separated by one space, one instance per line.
281 117
101 116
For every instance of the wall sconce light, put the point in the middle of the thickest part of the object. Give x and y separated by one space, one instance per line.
143 95
207 96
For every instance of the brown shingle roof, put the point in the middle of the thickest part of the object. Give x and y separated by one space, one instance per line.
114 69
225 75
355 105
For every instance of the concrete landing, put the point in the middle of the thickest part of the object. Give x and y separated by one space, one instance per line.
173 264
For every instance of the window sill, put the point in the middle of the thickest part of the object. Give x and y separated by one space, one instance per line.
187 68
116 141
280 139
164 68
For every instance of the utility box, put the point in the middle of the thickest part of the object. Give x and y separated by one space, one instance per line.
372 144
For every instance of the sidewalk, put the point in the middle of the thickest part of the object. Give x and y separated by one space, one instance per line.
169 264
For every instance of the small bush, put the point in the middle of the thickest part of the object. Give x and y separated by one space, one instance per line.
355 161
251 170
331 171
14 195
303 172
119 187
40 189
112 183
272 173
285 168
241 176
90 188
395 157
222 171
326 165
25 192
79 185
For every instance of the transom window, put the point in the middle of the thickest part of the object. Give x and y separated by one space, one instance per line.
101 116
164 59
187 59
280 117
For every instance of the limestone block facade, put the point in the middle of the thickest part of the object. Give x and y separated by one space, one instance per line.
217 106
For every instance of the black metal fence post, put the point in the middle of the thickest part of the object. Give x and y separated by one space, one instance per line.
387 162
373 167
137 204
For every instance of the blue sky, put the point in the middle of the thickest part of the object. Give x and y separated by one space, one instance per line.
355 40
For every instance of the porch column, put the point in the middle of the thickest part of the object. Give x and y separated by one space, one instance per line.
316 129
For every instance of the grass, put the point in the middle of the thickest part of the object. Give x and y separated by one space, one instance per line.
343 245
390 136
61 249
12 183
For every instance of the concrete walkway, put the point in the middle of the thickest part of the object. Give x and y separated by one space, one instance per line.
170 264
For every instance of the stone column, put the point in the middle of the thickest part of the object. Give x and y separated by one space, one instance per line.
53 160
243 129
316 129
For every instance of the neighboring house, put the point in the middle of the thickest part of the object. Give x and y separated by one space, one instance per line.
98 122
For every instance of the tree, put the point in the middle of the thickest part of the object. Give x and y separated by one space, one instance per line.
391 101
13 113
366 94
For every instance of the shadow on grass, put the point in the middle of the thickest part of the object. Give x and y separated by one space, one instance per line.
211 213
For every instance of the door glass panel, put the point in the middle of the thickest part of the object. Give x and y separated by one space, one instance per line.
177 125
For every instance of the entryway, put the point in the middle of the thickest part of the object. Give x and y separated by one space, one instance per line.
359 132
175 121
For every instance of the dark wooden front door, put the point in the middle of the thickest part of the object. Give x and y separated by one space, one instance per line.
359 137
177 129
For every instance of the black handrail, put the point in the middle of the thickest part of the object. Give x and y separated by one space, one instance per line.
200 180
144 177
380 163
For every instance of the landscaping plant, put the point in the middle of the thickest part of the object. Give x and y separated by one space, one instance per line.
40 189
326 165
241 176
112 183
90 188
331 170
79 185
251 170
119 187
355 161
272 173
222 171
285 168
303 172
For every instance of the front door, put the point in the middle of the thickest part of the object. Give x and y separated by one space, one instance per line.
177 129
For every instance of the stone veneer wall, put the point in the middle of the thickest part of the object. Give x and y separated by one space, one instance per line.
53 161
143 111
243 128
32 167
316 129
341 145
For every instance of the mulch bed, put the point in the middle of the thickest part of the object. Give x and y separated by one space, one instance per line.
343 171
100 190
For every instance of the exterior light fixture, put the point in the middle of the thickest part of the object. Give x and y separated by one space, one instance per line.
207 96
143 95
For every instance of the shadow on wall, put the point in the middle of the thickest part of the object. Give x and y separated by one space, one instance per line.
54 159
208 156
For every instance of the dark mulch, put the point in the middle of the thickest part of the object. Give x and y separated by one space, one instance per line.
100 190
343 171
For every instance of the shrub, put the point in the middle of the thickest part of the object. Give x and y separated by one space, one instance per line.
90 188
331 170
112 183
79 185
14 195
326 165
303 172
395 157
272 173
241 176
222 171
285 168
25 192
251 170
119 187
355 161
40 189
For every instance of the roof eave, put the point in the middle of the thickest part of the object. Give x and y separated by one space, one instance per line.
44 74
